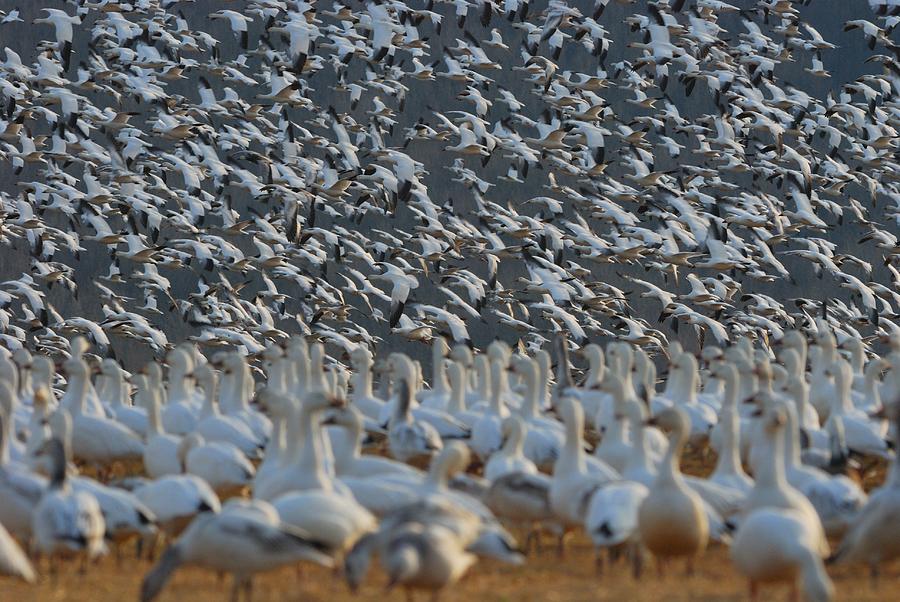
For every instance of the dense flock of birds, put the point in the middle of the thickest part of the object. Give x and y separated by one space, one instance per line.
286 178
241 479
290 183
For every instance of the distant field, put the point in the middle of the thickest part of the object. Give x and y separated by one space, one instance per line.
544 577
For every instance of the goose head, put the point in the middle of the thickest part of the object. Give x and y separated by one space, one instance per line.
206 378
277 403
322 400
187 443
79 346
774 419
180 363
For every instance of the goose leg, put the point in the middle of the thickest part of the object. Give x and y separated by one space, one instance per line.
235 589
754 591
794 595
637 561
873 574
689 567
598 561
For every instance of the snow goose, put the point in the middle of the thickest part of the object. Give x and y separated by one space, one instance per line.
96 439
425 557
219 463
73 396
544 437
332 518
597 405
510 456
575 479
729 472
671 519
214 426
614 449
240 543
781 545
457 374
771 488
348 459
161 449
237 390
362 396
684 370
116 398
124 515
611 520
20 489
439 394
304 469
486 437
176 499
13 561
867 396
874 535
66 522
179 414
408 437
864 435
836 498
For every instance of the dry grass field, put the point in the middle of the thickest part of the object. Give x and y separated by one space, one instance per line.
544 577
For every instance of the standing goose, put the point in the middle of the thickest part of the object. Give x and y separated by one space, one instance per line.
729 472
161 449
780 545
66 522
510 457
240 543
362 396
20 489
671 519
97 439
214 426
864 435
117 398
544 437
348 458
409 438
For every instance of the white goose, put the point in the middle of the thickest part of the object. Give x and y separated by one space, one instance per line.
348 458
575 479
486 437
361 395
237 391
439 394
219 463
65 522
176 499
214 426
864 435
614 447
544 437
510 457
781 545
116 398
729 472
408 437
240 543
457 374
161 449
20 489
97 439
179 414
671 518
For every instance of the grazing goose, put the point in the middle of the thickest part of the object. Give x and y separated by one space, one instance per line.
671 518
429 557
239 543
66 523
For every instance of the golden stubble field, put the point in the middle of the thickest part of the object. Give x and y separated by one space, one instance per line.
543 577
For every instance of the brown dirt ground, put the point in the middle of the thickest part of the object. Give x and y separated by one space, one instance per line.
543 578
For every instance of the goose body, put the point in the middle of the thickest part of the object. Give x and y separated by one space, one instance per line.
671 518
